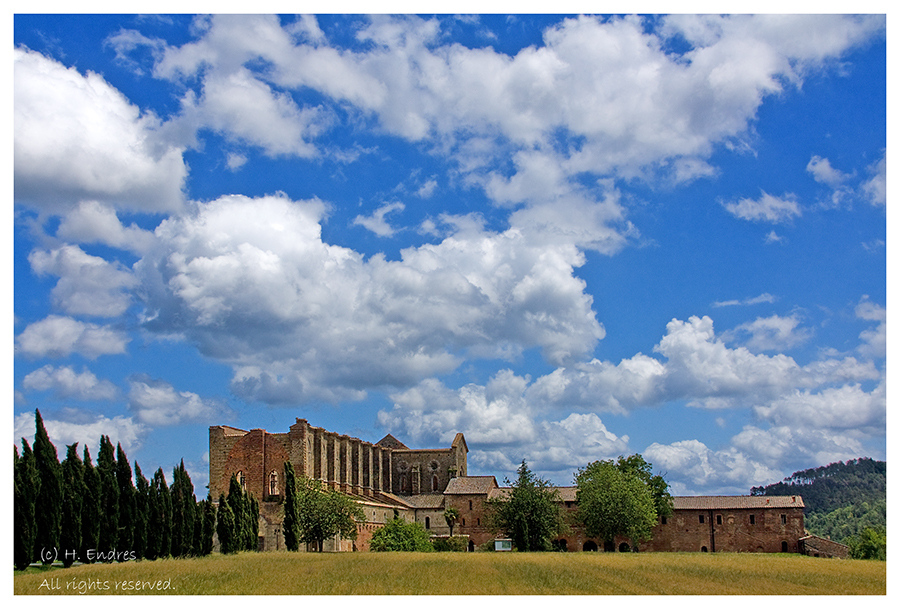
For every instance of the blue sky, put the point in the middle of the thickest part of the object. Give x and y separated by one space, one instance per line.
567 237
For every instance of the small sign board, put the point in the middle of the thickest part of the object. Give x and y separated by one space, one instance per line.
503 545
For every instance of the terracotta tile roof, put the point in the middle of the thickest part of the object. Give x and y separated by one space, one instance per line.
566 493
471 485
737 502
429 501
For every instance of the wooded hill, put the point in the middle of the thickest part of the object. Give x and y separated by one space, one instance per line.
841 498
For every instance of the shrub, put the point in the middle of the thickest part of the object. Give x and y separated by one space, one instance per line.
401 536
450 544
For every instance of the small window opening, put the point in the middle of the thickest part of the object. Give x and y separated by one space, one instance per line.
702 519
718 519
427 522
752 519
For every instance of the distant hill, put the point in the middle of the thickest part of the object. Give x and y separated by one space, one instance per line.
841 498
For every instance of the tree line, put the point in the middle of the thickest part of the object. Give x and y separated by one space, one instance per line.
844 501
77 511
614 498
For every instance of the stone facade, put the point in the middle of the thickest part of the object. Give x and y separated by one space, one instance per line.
389 478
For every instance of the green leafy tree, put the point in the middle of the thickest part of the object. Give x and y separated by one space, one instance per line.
291 525
225 526
90 509
49 500
397 535
659 488
870 544
530 515
25 492
73 501
125 484
323 513
451 516
109 496
614 501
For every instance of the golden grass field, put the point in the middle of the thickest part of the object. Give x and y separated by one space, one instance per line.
479 574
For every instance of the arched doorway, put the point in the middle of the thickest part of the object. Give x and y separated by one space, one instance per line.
703 549
784 546
624 547
471 546
589 546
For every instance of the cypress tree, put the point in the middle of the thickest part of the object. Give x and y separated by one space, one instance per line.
90 510
253 523
198 529
183 512
125 485
109 496
209 526
237 504
73 501
141 511
25 491
225 526
291 525
48 504
160 516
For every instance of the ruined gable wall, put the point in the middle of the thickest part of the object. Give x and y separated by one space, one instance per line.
422 471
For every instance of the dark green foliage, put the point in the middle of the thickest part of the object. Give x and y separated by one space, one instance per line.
159 534
659 488
829 487
73 500
246 516
90 509
183 512
253 522
209 526
291 526
530 515
49 500
225 527
450 544
613 500
109 496
322 513
198 528
400 536
870 544
125 538
24 493
141 511
846 522
842 499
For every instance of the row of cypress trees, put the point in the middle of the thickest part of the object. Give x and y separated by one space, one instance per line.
76 511
237 520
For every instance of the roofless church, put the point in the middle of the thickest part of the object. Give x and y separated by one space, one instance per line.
388 477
